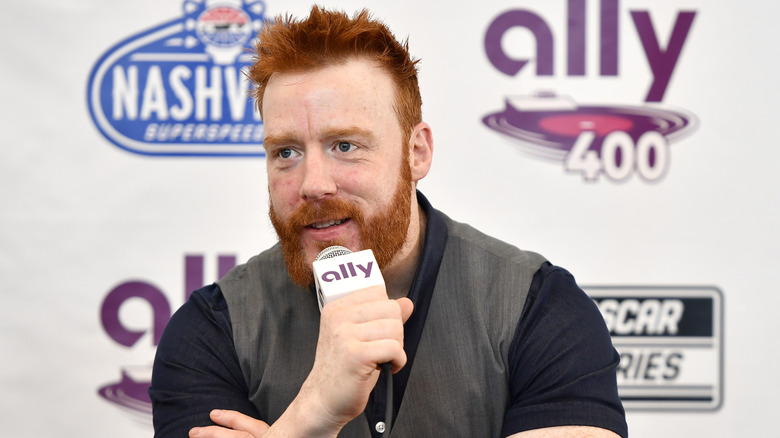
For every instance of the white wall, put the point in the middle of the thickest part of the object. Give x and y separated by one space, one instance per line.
82 217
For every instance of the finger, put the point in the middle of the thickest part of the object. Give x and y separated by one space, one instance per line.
239 422
372 293
371 310
374 310
407 307
378 329
369 355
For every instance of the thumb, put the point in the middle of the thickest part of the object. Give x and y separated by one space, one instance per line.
406 308
237 421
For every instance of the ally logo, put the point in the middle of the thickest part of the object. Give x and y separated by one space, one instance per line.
617 141
130 392
178 89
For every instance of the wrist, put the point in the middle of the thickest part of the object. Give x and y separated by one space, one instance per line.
306 416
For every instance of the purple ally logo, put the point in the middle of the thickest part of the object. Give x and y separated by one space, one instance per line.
179 88
131 392
617 141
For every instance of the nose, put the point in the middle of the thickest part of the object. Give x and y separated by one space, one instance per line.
318 182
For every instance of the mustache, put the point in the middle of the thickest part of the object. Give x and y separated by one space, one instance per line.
325 210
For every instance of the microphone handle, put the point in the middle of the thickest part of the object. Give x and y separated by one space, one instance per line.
387 369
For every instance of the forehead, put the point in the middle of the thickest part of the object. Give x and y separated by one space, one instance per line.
358 92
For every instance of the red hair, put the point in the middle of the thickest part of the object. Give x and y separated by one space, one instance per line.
331 38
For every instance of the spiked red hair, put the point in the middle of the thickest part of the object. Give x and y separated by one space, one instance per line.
332 38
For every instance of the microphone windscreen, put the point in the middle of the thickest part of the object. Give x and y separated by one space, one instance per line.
332 251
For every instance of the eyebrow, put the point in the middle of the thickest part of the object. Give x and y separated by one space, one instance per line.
334 133
270 141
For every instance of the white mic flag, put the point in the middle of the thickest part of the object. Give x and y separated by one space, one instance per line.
339 272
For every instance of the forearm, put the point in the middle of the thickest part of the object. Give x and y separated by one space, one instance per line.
304 418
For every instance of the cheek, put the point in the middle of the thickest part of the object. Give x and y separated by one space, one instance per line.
387 182
352 180
283 193
365 187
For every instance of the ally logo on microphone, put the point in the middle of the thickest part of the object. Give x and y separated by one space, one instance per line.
346 272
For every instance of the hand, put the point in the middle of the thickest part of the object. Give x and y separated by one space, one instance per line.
358 333
236 425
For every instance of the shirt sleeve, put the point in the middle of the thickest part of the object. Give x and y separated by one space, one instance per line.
196 368
562 362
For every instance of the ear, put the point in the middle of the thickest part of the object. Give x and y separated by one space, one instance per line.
421 150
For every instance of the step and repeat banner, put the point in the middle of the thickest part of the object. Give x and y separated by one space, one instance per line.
629 141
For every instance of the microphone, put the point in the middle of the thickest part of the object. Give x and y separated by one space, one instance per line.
337 273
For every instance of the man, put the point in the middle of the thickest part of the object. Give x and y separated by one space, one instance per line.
484 339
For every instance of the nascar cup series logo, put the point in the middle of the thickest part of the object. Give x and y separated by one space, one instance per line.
594 140
670 341
179 88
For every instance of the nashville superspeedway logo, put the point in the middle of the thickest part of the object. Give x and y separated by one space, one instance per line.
179 88
617 141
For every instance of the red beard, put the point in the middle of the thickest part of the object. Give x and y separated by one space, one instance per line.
383 233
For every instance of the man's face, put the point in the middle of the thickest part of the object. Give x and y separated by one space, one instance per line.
338 164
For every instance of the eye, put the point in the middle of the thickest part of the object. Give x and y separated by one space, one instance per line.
285 153
345 146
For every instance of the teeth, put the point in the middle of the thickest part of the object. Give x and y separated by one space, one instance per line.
320 225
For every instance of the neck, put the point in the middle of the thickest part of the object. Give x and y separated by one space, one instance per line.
400 274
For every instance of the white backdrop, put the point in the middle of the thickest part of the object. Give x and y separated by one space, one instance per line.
81 217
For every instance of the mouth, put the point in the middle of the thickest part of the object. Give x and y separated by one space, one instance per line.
327 224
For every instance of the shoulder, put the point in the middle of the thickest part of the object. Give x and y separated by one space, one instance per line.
558 312
261 267
465 234
248 288
487 279
204 306
203 318
554 288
